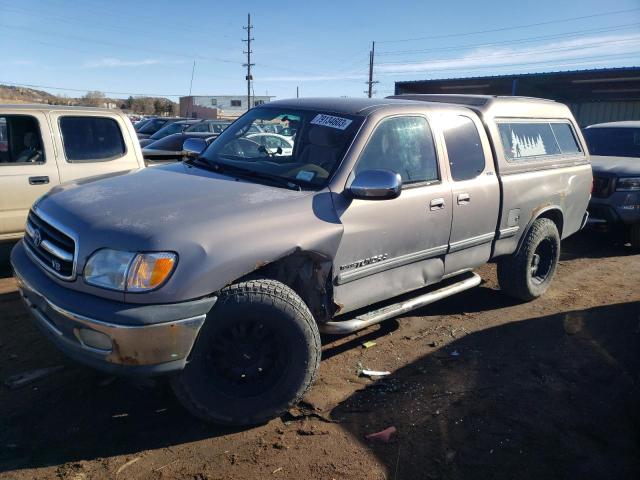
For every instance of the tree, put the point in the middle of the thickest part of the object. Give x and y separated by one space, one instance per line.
93 98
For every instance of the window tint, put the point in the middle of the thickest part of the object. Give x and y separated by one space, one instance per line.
90 139
20 140
199 127
403 145
566 140
464 148
613 141
530 141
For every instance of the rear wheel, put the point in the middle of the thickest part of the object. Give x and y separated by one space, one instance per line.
256 355
527 274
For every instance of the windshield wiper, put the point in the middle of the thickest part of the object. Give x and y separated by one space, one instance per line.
218 167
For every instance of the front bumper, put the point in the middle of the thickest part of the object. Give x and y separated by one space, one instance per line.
620 208
108 335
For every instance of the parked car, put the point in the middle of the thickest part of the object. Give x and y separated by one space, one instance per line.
275 144
212 126
42 146
153 125
170 148
615 158
224 268
170 129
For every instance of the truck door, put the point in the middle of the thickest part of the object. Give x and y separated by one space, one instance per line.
393 246
92 144
475 191
27 167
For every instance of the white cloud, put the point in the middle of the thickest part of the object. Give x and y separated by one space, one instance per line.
314 78
116 63
20 62
566 50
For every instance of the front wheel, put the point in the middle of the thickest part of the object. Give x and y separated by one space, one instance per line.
256 355
527 274
634 236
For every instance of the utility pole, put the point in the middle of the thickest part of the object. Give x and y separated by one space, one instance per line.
190 100
298 92
372 52
248 64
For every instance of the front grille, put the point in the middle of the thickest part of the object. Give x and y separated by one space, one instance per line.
602 186
53 249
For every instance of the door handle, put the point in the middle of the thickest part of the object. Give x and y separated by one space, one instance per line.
464 198
38 180
437 204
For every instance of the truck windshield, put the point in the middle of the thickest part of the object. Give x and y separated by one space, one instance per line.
613 141
307 157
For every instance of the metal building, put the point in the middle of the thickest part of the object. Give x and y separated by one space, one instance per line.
594 96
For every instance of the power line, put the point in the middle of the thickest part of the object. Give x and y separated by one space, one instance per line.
516 27
29 85
518 54
510 42
463 69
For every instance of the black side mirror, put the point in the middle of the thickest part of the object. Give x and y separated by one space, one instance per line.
376 185
194 146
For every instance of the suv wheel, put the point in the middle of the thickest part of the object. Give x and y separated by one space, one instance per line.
527 274
256 355
634 235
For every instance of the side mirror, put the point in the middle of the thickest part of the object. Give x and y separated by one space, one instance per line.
376 185
194 146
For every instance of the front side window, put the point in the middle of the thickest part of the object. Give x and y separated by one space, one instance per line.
91 139
199 127
403 145
320 142
20 140
613 141
464 147
525 141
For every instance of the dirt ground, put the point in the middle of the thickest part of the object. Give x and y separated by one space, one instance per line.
481 387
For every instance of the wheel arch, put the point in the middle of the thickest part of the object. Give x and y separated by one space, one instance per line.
551 212
308 273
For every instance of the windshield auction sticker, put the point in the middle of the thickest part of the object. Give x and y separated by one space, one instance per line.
331 121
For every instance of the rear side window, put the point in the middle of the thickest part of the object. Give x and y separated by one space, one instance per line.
525 141
403 145
464 147
20 140
91 139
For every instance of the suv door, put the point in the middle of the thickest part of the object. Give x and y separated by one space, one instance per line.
27 167
475 189
92 144
393 246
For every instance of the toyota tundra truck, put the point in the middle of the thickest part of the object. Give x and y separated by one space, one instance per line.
222 271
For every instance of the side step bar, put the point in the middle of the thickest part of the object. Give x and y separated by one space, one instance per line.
371 318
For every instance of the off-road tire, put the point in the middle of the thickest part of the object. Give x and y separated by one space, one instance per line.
634 235
515 271
210 392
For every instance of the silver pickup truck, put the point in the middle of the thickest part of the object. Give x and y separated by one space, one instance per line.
223 270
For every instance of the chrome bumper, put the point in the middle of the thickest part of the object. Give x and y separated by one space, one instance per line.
119 345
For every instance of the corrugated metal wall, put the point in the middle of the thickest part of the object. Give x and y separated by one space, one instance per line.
589 113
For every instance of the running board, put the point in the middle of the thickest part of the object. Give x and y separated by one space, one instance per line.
371 318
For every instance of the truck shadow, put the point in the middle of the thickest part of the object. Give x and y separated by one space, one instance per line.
548 397
5 252
592 244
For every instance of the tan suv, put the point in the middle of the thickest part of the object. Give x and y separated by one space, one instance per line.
42 146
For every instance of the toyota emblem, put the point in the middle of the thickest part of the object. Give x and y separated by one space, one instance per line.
37 237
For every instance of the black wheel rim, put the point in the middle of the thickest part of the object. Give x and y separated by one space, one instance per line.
246 359
542 261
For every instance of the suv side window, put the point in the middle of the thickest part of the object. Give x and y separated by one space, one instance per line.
464 147
403 145
20 140
91 139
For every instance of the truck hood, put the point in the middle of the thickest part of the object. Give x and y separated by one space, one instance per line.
619 166
146 209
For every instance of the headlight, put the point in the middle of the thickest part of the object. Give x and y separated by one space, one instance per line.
628 184
128 271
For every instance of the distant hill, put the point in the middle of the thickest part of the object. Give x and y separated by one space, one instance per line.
142 105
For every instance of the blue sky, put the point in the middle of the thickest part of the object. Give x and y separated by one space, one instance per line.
144 47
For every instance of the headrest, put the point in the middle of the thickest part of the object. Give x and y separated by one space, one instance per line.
324 136
30 140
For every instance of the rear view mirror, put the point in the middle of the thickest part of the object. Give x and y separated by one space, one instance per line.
376 185
194 146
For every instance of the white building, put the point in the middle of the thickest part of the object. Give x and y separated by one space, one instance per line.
218 106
